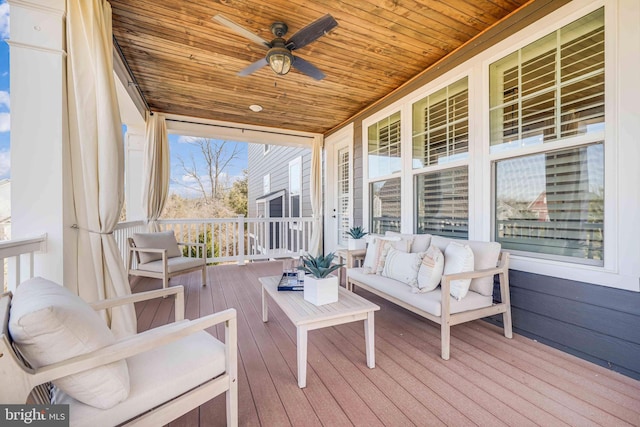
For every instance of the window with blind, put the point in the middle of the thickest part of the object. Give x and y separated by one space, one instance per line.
385 206
550 89
384 147
553 203
440 130
442 203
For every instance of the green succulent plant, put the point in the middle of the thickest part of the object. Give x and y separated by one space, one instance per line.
357 232
320 266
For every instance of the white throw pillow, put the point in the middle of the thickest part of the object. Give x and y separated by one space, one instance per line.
49 324
457 259
161 240
430 271
376 252
402 266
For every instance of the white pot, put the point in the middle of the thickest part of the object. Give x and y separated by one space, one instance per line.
356 244
320 291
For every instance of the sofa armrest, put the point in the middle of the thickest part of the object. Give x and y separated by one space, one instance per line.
176 291
141 343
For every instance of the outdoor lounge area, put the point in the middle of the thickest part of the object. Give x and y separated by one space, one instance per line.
488 381
487 147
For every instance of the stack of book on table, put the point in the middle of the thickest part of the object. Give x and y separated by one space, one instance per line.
290 282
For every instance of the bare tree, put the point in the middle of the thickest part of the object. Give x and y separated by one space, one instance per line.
217 156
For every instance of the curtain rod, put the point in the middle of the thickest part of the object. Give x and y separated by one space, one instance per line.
133 81
239 128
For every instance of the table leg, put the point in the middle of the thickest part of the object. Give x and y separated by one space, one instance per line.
369 339
340 258
265 308
302 356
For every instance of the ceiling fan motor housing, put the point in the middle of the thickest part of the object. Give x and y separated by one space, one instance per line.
279 29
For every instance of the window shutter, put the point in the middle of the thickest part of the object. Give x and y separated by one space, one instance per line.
443 203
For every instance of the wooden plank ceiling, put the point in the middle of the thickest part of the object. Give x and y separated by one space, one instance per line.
186 63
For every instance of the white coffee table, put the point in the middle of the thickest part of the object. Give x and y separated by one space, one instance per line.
307 317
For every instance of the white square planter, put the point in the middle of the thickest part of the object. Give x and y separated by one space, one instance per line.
356 244
320 291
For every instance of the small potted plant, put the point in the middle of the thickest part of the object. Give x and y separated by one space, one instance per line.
356 240
319 287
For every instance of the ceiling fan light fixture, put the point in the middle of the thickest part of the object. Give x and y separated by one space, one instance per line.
280 60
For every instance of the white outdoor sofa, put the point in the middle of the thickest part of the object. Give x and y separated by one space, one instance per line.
438 305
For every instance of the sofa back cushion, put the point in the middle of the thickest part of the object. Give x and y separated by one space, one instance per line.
49 324
161 240
377 250
485 255
419 242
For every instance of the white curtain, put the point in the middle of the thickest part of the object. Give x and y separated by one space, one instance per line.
156 169
97 157
315 244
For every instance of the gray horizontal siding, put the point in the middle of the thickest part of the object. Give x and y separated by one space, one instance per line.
276 163
596 323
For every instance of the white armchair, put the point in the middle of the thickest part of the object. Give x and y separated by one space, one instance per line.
48 334
158 255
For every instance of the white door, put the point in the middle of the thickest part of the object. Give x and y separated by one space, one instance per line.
339 200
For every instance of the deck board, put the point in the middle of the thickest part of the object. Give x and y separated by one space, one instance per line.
489 379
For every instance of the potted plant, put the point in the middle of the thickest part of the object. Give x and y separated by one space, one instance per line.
356 240
319 287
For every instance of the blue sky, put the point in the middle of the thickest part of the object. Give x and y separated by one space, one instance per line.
5 169
179 146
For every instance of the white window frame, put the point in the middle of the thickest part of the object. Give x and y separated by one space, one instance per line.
266 184
366 181
297 161
622 89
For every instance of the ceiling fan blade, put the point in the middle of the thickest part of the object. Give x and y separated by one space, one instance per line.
311 32
241 30
307 68
253 67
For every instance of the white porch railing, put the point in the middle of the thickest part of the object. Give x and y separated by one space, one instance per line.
17 260
232 239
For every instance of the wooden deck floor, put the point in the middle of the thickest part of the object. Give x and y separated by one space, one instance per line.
489 380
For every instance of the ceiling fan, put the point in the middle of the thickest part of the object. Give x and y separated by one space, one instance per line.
279 56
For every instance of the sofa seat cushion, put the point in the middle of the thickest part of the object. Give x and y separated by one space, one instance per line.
173 264
429 301
485 256
50 324
156 377
161 240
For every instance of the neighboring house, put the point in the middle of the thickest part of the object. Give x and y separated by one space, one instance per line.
278 181
278 187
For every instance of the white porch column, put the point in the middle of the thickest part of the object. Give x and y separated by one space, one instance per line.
41 191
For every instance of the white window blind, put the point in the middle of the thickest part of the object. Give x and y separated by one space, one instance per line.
442 203
385 206
550 89
441 126
384 147
553 203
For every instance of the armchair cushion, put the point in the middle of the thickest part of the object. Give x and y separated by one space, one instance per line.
173 264
161 240
156 377
49 324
